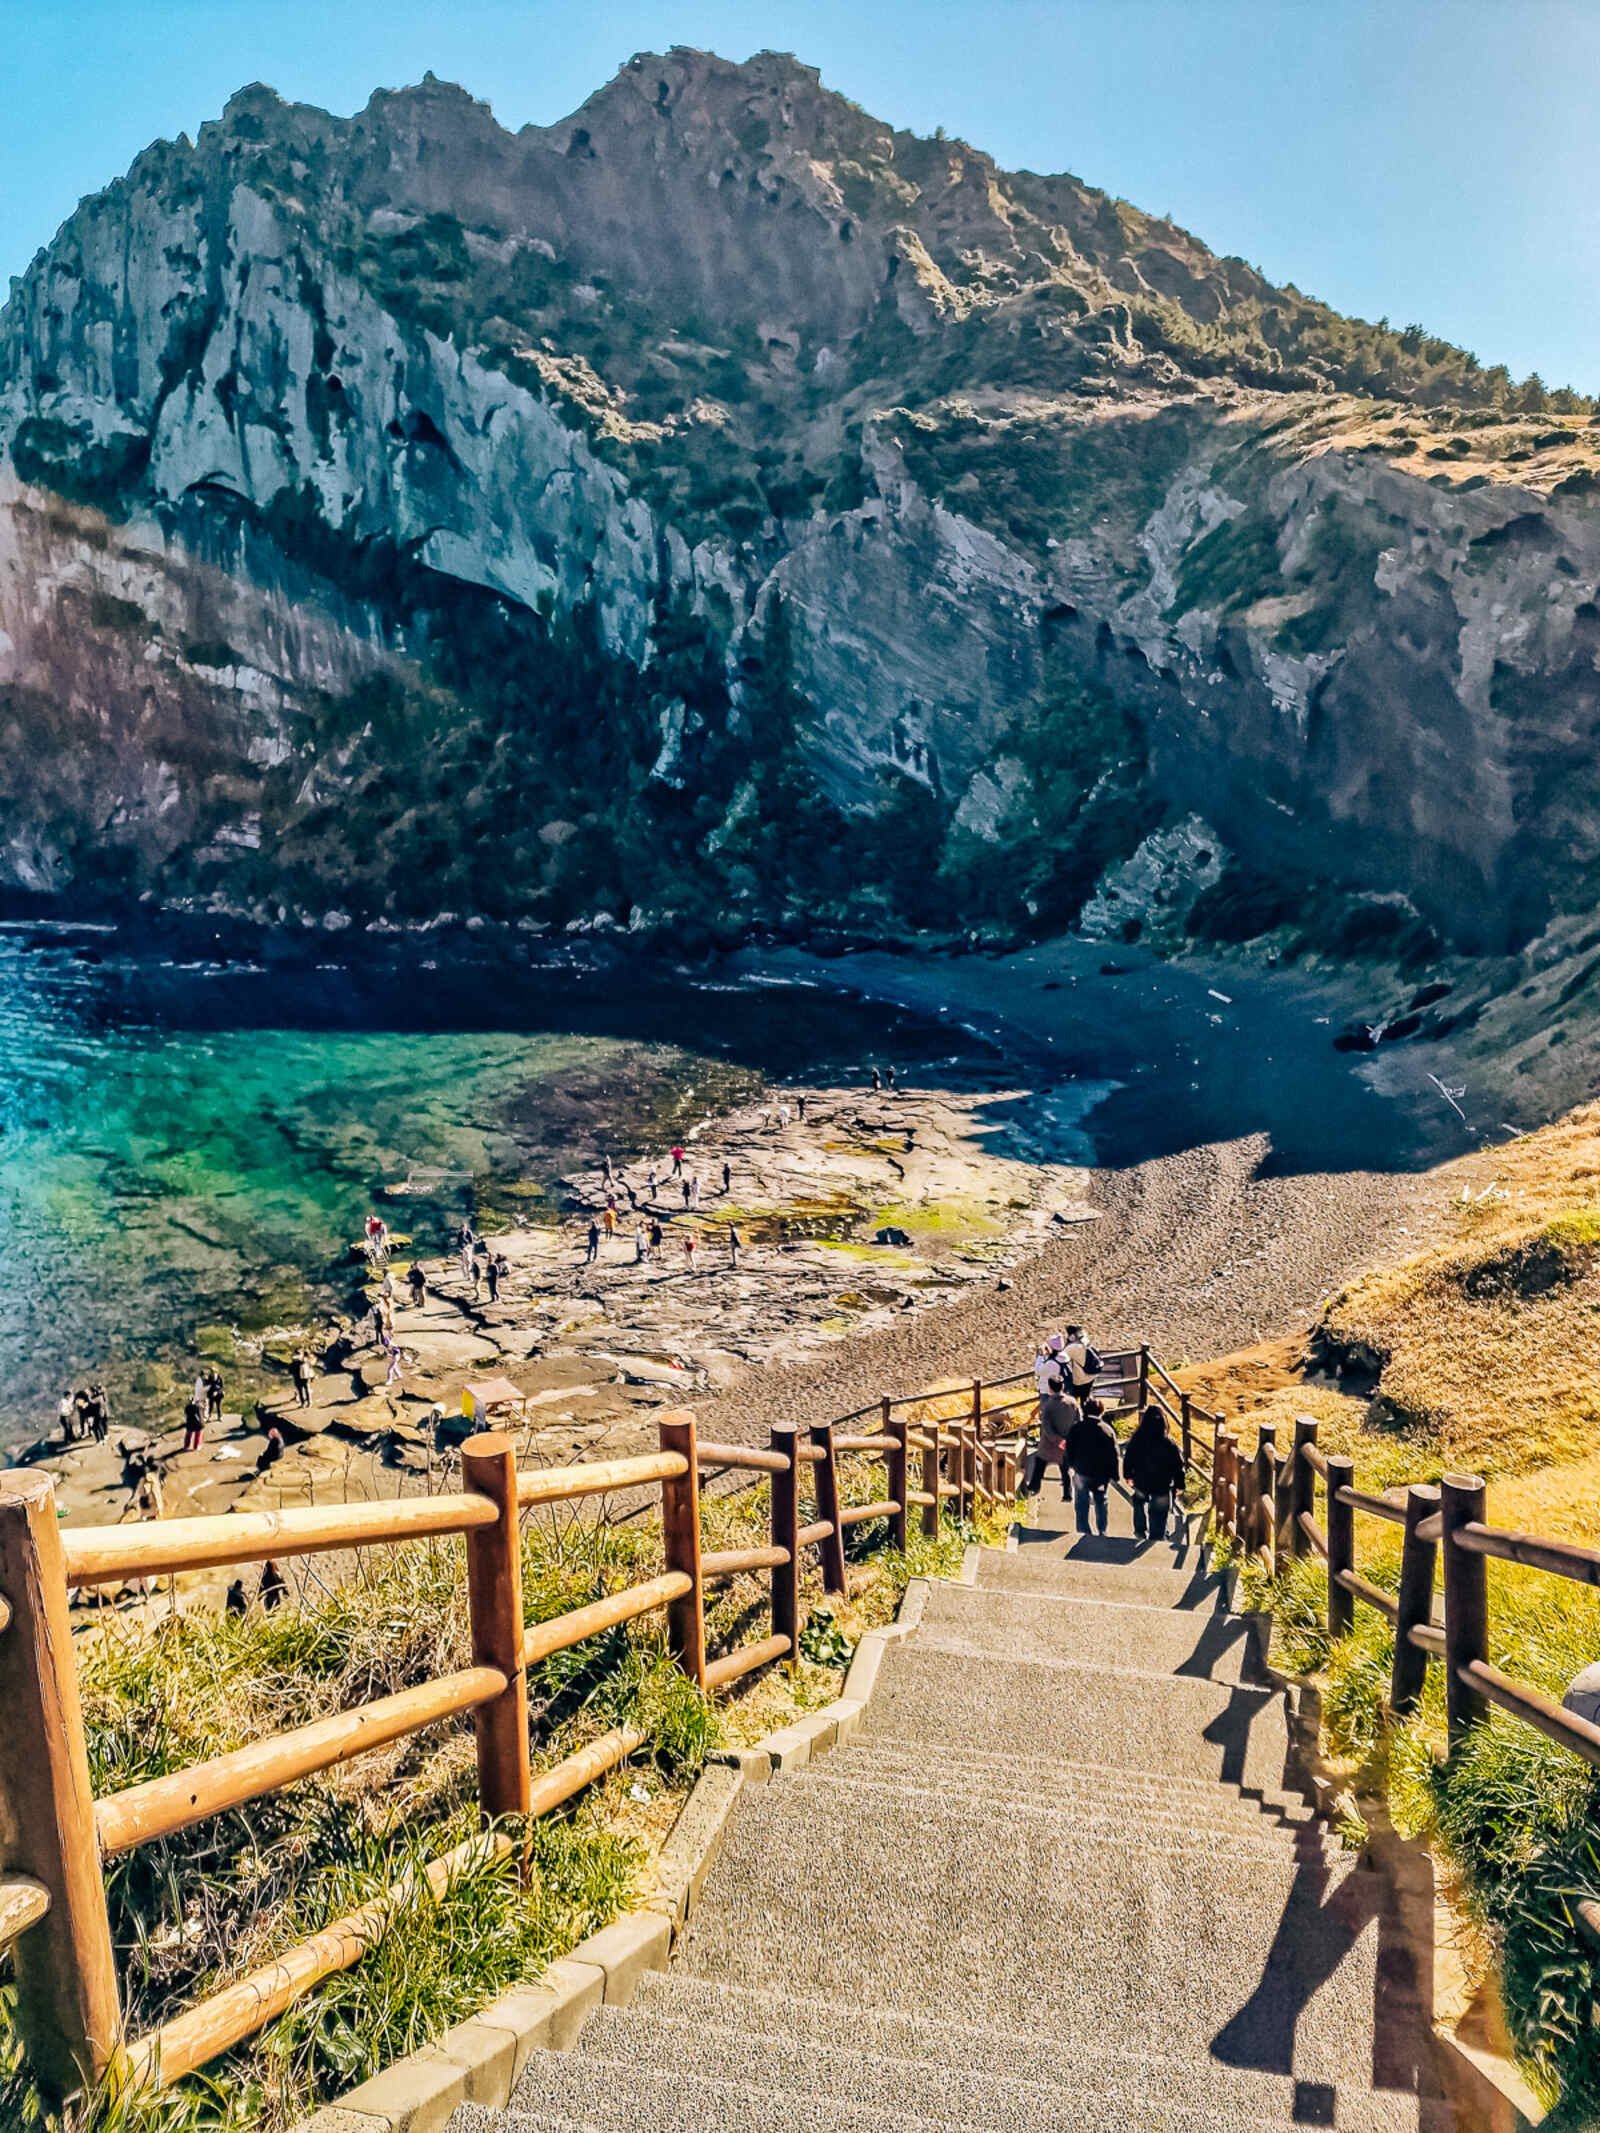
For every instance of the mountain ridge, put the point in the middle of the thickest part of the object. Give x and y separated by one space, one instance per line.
696 506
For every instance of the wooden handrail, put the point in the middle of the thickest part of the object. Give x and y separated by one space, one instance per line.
561 1484
105 1555
561 1631
1563 1559
919 1497
877 1443
820 1530
745 1660
1551 1719
23 1902
1374 1506
160 1806
1314 1533
862 1514
748 1456
1315 1458
1374 1595
728 1562
1428 1637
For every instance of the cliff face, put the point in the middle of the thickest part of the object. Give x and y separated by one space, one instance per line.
719 505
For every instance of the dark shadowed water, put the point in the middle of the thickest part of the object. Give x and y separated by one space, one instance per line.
189 1148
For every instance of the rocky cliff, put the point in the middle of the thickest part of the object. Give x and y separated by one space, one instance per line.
721 508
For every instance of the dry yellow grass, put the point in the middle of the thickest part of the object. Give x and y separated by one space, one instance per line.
1486 1342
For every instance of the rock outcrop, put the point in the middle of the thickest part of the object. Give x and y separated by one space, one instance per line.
718 506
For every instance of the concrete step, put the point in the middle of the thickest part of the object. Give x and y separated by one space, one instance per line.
1238 1830
1100 1570
479 2118
1202 1644
619 2095
1021 1774
1012 2067
1187 1953
1083 1714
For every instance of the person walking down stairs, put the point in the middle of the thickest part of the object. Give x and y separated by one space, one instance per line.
1152 1466
1091 1453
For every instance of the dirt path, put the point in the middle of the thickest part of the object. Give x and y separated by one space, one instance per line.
1195 1253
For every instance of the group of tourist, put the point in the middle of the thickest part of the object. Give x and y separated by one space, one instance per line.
1075 1434
85 1413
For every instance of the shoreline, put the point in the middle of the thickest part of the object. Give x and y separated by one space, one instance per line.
1206 1246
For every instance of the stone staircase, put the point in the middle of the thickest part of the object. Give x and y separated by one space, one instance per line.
1057 1880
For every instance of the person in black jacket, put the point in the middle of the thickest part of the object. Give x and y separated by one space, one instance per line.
1092 1457
1152 1466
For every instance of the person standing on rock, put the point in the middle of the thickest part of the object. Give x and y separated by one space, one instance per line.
691 1244
685 1192
641 1250
417 1280
888 1075
214 1394
784 1115
1152 1466
727 1177
194 1424
734 1242
694 1190
100 1416
655 1233
594 1243
491 1273
236 1603
67 1416
677 1160
300 1370
877 1079
1091 1453
391 1350
274 1587
654 1181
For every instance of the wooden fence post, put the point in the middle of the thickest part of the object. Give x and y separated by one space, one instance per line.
1144 1376
1244 1481
1466 1604
1264 1538
826 1472
1417 1559
969 1471
1233 1486
494 1604
680 1527
1186 1427
930 1480
1302 1483
1283 1506
1341 1544
898 1475
67 2009
784 1437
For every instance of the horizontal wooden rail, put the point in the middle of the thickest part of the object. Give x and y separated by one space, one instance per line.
163 1805
1374 1595
105 1555
5 1614
1563 1559
561 1484
748 1456
195 2038
1374 1506
878 1444
728 1562
1316 1459
23 1902
811 1454
1428 1637
861 1514
561 1631
820 1530
1313 1533
919 1497
745 1660
1537 1710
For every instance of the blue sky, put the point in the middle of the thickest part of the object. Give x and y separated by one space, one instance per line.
1435 160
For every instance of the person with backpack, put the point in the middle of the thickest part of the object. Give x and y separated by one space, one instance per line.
1080 1364
1152 1466
1091 1453
1057 1414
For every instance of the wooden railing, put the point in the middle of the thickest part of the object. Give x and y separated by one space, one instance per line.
55 1836
1268 1503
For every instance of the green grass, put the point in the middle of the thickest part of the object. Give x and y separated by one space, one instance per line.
1517 1816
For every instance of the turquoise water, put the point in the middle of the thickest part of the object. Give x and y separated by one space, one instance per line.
188 1150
